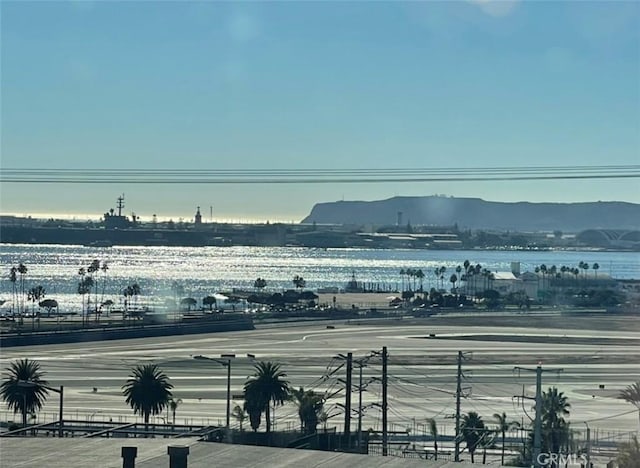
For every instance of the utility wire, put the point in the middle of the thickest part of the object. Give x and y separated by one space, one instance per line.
313 176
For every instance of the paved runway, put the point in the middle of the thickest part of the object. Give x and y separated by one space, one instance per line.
422 370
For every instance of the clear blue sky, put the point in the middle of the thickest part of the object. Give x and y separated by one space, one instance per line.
315 85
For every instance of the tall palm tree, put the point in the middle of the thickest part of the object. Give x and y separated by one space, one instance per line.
34 295
13 278
24 389
84 287
147 391
473 430
555 429
92 270
433 429
420 276
543 270
267 385
135 292
596 267
105 269
22 270
173 406
504 426
631 394
310 405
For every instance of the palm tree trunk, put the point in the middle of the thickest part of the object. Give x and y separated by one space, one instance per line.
502 462
146 423
267 416
435 448
471 456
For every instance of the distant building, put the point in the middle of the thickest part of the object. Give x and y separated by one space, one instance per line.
198 218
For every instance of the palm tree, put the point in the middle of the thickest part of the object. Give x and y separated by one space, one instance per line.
267 385
239 414
147 391
22 269
631 394
453 280
82 288
105 269
24 390
94 268
34 295
596 267
13 277
629 453
310 405
543 270
420 276
433 429
135 292
411 274
504 426
555 429
173 406
473 430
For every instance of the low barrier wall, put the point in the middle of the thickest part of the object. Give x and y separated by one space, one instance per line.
138 331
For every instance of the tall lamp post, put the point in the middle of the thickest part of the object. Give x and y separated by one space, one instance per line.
225 361
60 391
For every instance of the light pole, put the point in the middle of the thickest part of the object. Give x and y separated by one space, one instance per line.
225 360
30 384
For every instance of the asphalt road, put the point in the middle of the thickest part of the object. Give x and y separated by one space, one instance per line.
422 370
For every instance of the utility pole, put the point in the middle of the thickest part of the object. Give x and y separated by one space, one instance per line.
537 435
458 392
347 402
588 448
537 425
228 366
385 435
360 407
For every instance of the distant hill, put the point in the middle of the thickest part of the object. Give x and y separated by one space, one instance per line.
475 213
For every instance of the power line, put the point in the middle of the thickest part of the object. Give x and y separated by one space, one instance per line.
314 176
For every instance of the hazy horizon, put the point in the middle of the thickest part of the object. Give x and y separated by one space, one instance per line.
208 216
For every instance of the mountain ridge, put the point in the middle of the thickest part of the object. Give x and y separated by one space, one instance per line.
476 213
